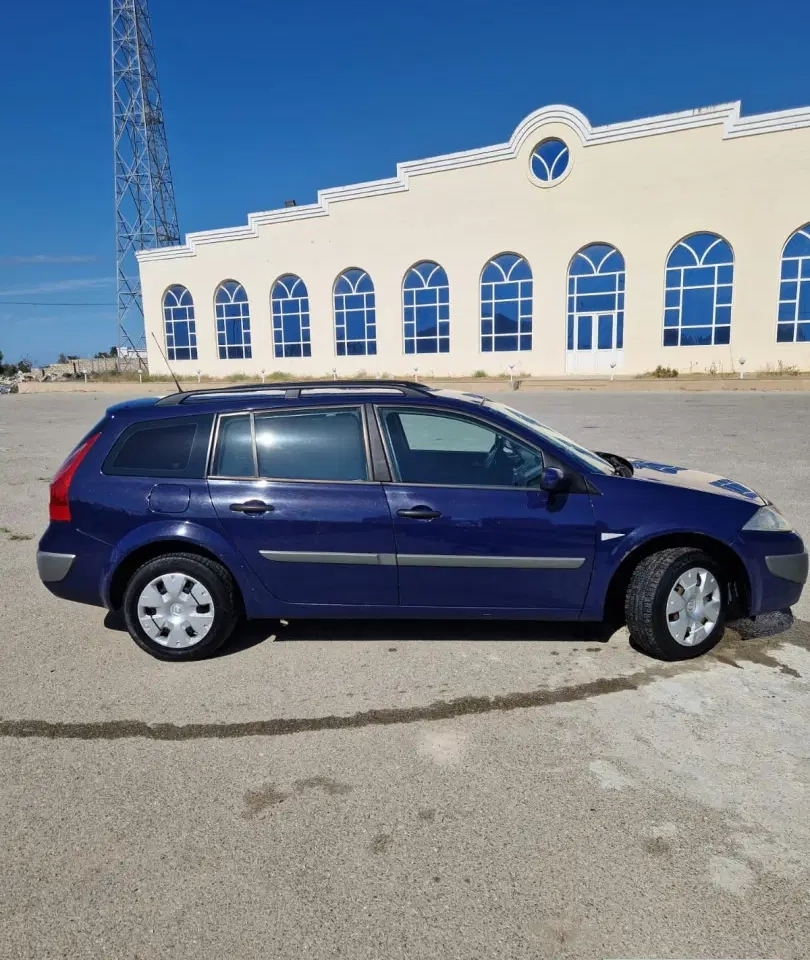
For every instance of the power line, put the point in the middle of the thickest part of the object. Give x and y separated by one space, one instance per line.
45 303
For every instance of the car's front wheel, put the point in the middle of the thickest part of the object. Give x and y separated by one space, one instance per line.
180 606
676 603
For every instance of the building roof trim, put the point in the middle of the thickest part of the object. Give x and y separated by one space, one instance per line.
726 115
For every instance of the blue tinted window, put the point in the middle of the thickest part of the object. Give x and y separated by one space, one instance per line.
584 332
698 293
180 327
355 314
289 304
595 279
311 446
794 291
506 297
425 302
550 160
233 321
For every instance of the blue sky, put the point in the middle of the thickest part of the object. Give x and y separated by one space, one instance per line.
266 102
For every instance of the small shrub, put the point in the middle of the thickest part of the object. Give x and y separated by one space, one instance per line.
479 373
788 370
664 373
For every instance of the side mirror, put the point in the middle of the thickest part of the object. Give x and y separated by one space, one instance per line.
552 480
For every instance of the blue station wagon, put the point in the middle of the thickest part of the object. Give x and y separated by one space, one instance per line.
349 499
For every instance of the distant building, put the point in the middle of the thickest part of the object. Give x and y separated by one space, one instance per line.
680 240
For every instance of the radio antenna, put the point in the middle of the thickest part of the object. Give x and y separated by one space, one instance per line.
176 382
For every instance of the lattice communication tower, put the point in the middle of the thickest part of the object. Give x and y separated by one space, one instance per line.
145 210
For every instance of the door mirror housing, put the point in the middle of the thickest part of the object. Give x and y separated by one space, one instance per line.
552 480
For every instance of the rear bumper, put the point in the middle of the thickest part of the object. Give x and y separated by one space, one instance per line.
70 564
54 567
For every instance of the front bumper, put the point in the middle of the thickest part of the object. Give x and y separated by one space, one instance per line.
777 566
790 566
54 567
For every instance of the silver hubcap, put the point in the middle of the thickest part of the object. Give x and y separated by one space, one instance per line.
175 610
693 607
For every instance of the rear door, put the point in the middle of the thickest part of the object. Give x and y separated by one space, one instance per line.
293 490
471 530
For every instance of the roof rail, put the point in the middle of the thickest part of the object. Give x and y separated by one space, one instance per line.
292 390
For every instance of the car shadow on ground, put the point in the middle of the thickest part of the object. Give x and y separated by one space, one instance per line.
254 632
403 631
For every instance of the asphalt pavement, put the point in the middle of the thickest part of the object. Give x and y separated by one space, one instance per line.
416 790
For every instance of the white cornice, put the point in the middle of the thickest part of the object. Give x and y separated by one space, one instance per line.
726 115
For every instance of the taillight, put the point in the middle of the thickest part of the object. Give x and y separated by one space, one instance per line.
60 485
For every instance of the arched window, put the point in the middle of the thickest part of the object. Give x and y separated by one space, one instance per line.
355 314
290 307
506 304
426 309
596 299
794 291
233 322
179 324
700 279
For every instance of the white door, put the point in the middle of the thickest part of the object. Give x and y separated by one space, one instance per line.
595 343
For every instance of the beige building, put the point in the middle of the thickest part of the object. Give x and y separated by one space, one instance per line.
680 240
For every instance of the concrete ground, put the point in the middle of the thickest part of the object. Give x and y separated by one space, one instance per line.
407 790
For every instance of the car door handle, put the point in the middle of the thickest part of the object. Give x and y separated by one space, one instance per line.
419 513
252 506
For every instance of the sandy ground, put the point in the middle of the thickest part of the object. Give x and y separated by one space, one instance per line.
407 790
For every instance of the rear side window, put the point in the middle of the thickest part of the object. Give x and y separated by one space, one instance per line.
311 445
162 448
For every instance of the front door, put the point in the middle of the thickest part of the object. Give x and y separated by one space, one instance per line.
595 342
294 494
471 532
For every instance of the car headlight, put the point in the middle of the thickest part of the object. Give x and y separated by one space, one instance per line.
768 520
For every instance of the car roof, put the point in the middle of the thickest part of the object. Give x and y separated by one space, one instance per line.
281 394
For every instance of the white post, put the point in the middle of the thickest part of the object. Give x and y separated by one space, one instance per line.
612 368
140 377
199 375
262 375
85 376
742 364
511 375
334 373
415 372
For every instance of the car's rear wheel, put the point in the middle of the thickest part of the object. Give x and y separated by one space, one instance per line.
676 603
180 606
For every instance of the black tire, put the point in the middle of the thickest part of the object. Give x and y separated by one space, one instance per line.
212 576
646 602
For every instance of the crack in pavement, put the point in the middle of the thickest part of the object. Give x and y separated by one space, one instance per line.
729 653
438 710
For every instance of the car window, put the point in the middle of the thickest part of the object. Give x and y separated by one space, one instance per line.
429 432
234 455
580 454
174 448
311 445
325 445
448 450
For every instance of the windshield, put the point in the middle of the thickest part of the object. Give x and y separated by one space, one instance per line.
574 450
